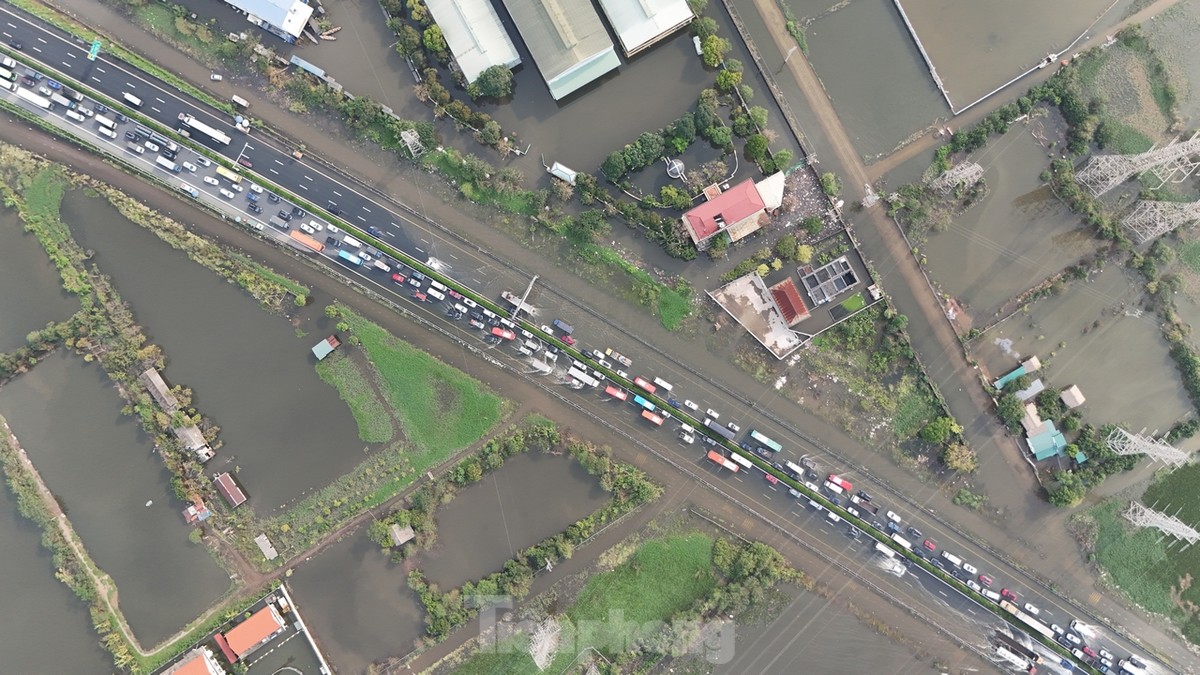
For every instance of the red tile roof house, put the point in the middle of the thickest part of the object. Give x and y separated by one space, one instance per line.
739 211
240 641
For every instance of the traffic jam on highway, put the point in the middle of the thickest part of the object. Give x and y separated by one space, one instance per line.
290 223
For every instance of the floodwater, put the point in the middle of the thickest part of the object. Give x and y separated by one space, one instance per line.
284 430
992 42
643 94
490 521
359 603
1173 35
103 470
1018 235
1093 337
52 632
33 294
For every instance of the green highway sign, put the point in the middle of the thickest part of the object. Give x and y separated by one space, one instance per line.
94 51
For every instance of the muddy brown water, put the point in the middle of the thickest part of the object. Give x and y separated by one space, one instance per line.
359 603
116 491
285 432
33 294
52 632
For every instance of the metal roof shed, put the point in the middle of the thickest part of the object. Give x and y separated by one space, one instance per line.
289 16
567 40
475 35
640 24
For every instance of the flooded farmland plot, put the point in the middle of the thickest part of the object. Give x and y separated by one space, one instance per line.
52 632
284 430
33 294
1094 336
115 490
1173 36
533 496
1014 237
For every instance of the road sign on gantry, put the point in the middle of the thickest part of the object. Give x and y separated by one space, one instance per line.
94 51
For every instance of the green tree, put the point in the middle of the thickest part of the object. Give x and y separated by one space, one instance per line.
588 226
434 41
830 184
804 254
674 198
960 457
494 82
728 80
491 133
713 50
704 26
813 225
408 40
756 148
615 167
786 247
721 137
940 430
1069 490
1010 411
783 159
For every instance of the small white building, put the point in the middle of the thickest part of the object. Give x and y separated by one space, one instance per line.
640 24
285 18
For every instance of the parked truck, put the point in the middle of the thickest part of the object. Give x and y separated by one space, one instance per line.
167 164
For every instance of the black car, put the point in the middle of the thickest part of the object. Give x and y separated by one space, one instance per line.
16 44
375 231
121 119
298 212
938 564
100 108
915 532
130 136
168 153
332 207
862 494
273 197
283 214
254 207
332 241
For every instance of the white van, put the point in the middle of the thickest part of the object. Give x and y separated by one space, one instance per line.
990 595
240 102
952 559
434 283
74 116
131 99
7 85
835 489
108 133
894 517
435 296
663 384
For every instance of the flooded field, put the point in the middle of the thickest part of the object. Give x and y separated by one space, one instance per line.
359 603
532 497
1173 35
1015 237
284 430
992 42
33 294
1092 336
52 632
115 490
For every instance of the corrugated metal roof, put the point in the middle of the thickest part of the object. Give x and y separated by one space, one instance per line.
290 16
475 35
567 40
641 23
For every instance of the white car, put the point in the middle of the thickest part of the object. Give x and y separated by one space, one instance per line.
733 427
306 229
316 226
1105 654
470 303
215 77
974 586
713 414
623 374
203 161
151 146
87 112
226 194
691 405
1074 639
189 166
1032 609
970 569
211 181
236 187
256 188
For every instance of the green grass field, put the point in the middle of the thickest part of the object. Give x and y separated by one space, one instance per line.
854 303
1145 570
342 373
663 577
441 409
1189 253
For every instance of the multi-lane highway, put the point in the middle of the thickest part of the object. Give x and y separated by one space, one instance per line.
471 265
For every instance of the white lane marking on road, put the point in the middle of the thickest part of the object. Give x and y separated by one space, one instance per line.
37 49
337 193
454 256
942 593
389 234
366 209
7 34
279 162
130 85
41 40
95 78
160 100
361 218
420 249
65 64
156 110
99 69
10 25
273 171
304 187
72 54
308 177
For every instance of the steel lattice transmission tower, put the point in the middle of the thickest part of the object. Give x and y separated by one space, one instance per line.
967 174
1105 172
413 141
1124 443
1151 219
1143 516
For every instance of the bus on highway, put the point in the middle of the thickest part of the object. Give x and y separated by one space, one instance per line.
193 124
638 400
716 426
719 459
645 384
229 175
1027 619
652 418
902 541
765 442
350 258
583 377
746 464
616 392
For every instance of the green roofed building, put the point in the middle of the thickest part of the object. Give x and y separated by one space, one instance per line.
567 40
1048 443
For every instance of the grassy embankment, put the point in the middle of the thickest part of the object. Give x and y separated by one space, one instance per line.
662 578
440 410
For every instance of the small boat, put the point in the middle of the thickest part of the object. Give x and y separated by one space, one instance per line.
150 502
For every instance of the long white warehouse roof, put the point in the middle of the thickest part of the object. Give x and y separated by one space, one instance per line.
475 35
290 16
641 23
567 40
